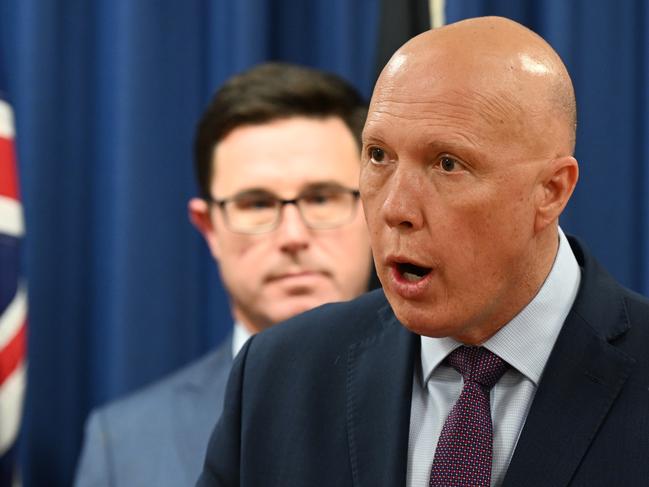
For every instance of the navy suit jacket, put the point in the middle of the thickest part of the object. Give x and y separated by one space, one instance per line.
158 435
324 399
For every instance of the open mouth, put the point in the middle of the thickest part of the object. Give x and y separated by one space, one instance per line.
412 272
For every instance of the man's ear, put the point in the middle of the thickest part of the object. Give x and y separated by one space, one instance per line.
558 180
199 215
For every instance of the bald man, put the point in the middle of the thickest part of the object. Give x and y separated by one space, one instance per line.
498 351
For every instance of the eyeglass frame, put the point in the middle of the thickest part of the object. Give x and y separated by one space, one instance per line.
355 193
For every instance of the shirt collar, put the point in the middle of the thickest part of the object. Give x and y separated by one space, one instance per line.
527 340
239 338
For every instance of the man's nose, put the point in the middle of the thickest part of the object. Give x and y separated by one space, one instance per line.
292 233
401 207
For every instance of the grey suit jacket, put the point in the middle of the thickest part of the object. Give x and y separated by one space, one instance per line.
157 436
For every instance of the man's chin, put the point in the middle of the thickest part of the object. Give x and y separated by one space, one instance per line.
443 326
422 323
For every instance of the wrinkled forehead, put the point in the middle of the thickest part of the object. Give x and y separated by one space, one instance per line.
469 107
431 84
446 105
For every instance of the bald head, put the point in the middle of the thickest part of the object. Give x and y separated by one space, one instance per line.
467 166
513 74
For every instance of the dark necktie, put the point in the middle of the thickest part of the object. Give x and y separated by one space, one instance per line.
464 450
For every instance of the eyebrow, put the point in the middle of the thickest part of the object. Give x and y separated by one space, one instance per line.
322 185
455 144
372 134
253 192
312 186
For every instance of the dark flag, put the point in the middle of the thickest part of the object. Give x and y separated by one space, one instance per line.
399 20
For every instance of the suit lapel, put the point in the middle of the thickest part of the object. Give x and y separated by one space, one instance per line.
199 401
379 388
581 381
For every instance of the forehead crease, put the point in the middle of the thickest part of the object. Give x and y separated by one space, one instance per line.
453 104
456 119
495 107
396 111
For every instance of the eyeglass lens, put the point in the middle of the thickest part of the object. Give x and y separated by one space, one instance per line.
320 208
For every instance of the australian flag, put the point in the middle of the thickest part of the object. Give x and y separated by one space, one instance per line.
13 302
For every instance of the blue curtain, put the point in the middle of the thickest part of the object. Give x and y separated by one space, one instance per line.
107 94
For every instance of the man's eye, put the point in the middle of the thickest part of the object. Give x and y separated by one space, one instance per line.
377 155
260 203
448 164
317 198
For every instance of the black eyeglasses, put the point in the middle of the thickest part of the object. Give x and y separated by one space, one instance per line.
260 211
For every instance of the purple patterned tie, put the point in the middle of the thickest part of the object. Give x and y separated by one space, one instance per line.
464 450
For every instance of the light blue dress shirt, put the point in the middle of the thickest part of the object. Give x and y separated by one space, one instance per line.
525 343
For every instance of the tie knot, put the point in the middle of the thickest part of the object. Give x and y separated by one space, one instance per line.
477 364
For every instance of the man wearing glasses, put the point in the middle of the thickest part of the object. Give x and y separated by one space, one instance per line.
277 161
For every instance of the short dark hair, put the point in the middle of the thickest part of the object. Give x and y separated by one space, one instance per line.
268 92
